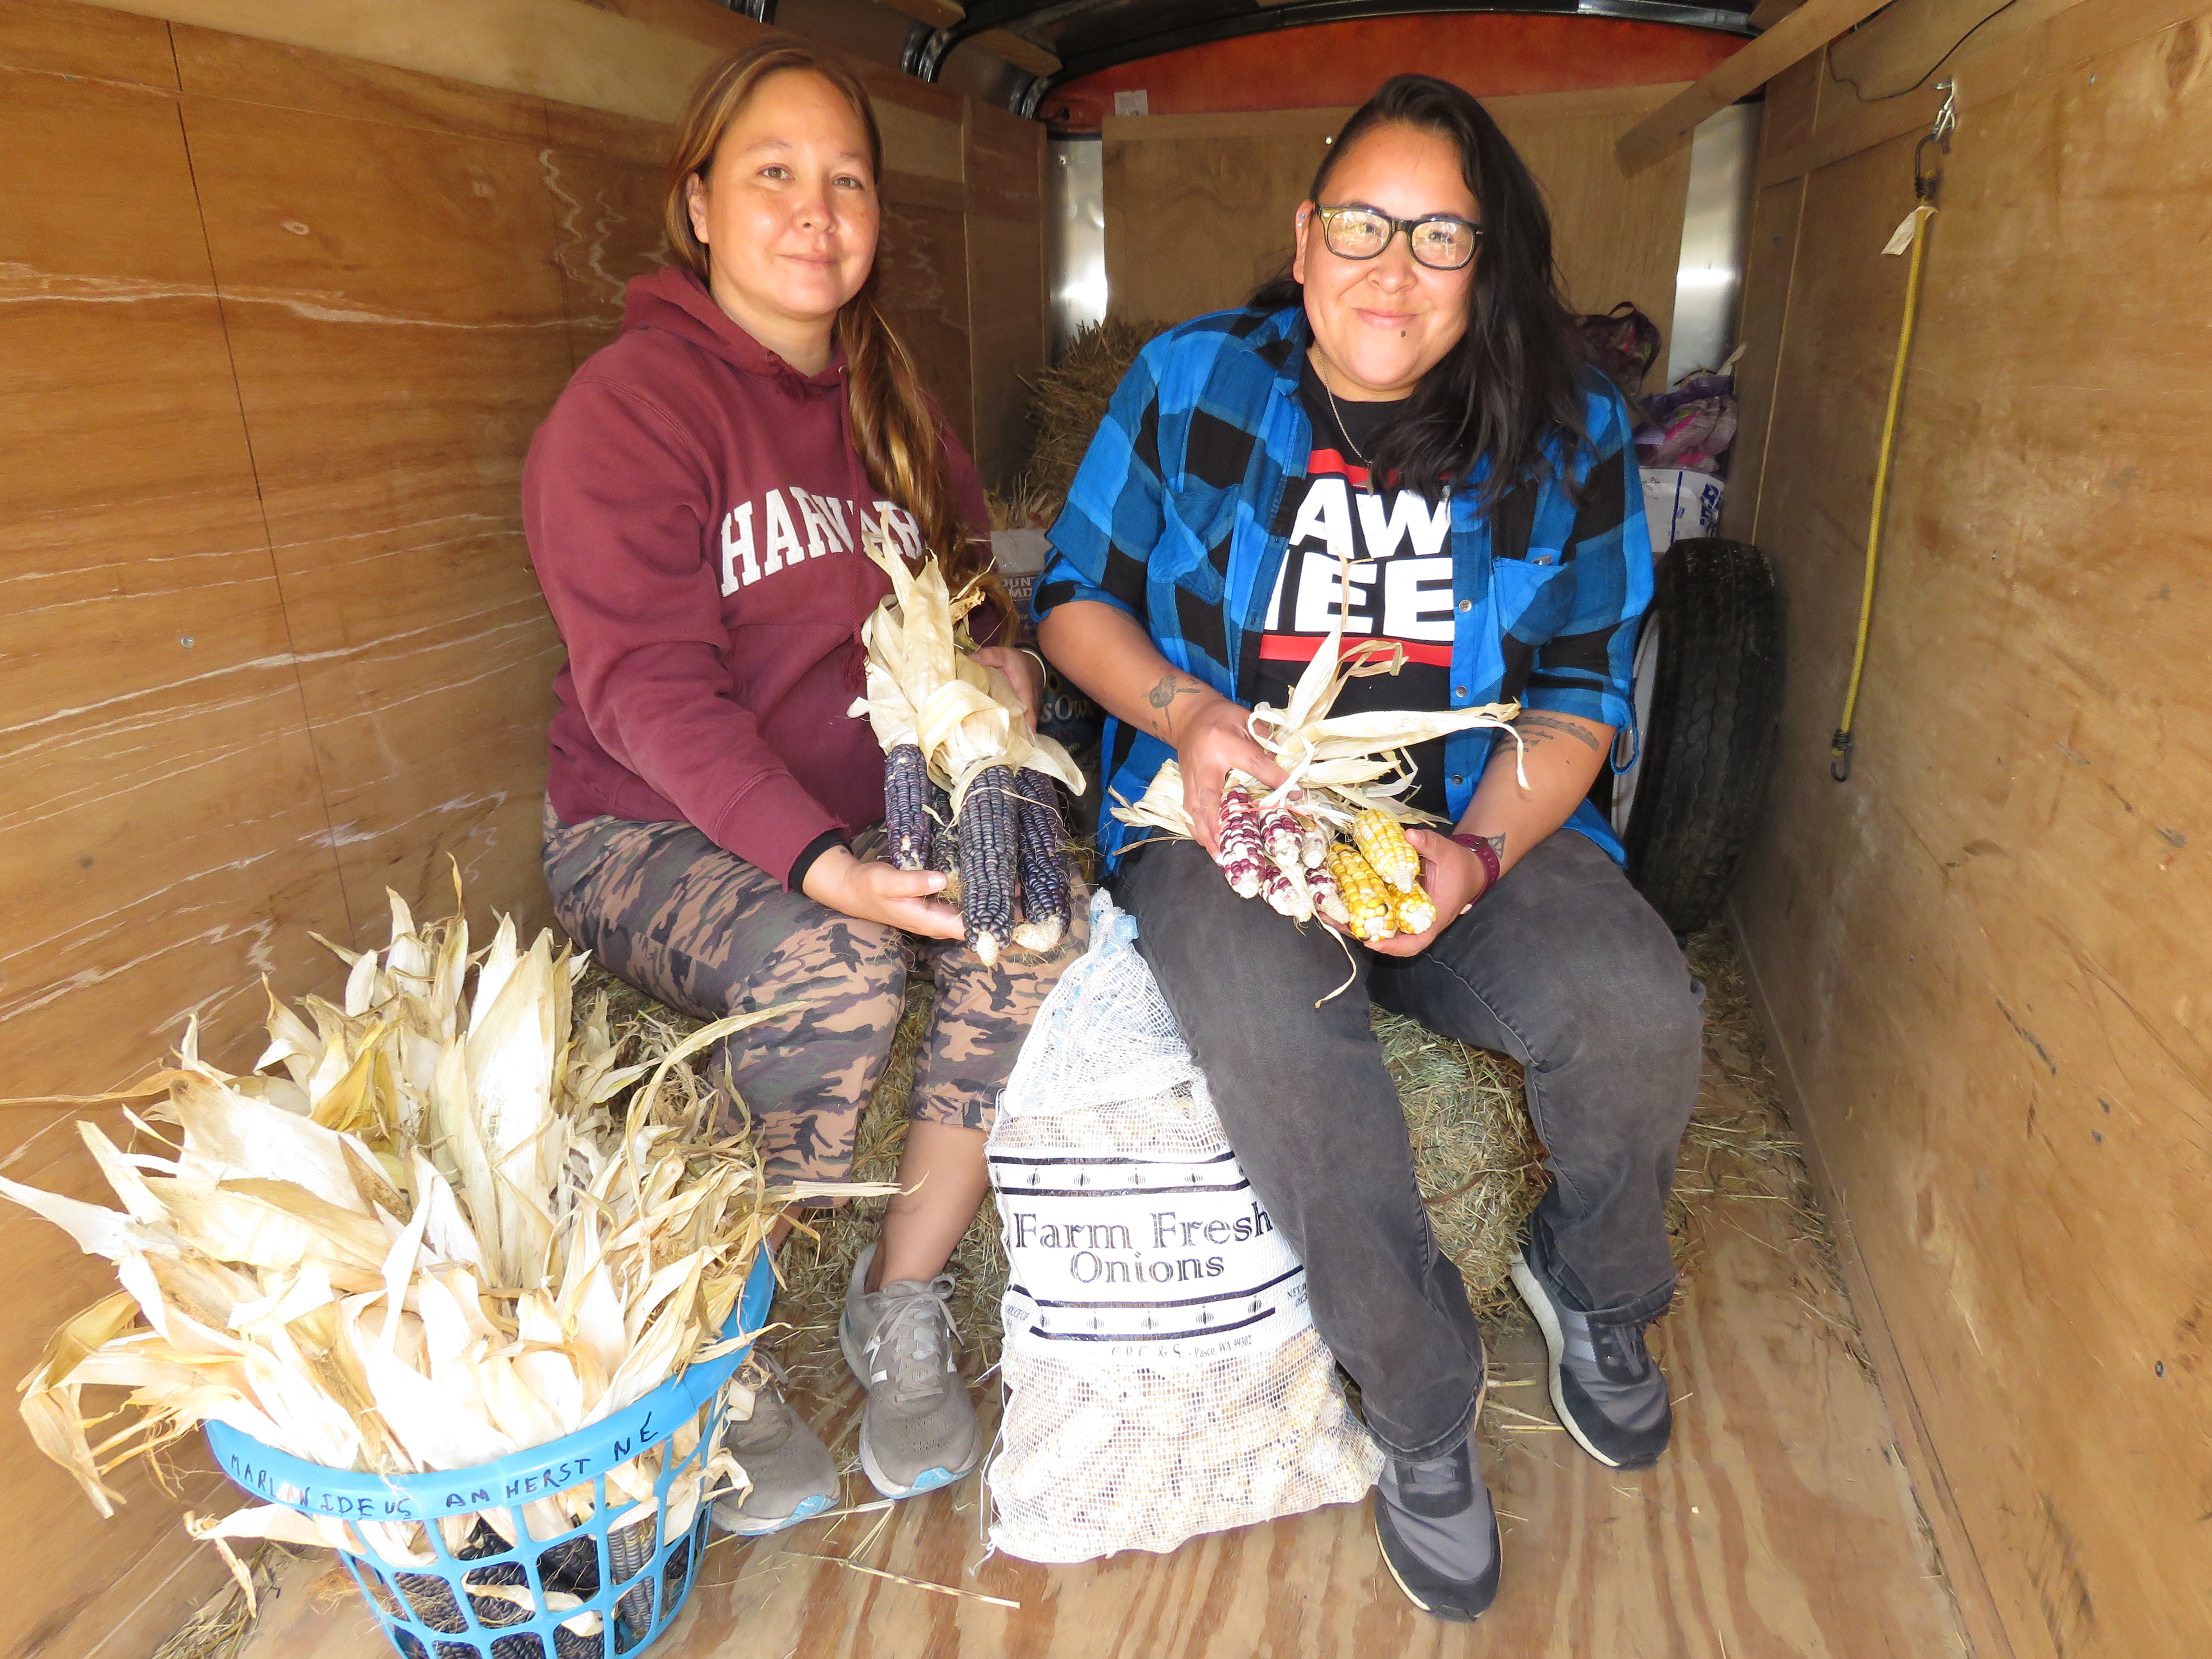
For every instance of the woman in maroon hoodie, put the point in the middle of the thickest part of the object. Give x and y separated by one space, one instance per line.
696 505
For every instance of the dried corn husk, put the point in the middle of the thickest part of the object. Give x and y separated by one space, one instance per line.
431 1242
925 689
1341 774
1336 767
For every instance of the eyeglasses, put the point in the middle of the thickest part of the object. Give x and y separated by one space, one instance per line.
1438 240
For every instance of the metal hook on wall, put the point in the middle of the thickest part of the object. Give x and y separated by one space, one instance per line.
1939 135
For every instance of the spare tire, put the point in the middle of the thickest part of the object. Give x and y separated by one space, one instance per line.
1709 666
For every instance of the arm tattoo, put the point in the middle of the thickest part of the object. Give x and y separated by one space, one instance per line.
1546 726
1161 696
1171 686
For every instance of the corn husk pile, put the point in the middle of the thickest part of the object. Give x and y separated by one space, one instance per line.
436 1237
968 787
1329 840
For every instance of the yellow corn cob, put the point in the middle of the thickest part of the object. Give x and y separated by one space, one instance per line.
1415 912
1364 894
1382 843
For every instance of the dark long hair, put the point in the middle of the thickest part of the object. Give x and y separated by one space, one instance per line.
1511 380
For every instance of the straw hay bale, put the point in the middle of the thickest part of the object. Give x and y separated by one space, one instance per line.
1067 403
1478 1162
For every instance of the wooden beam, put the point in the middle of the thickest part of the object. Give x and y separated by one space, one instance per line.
1767 13
937 14
1001 44
1009 47
1799 35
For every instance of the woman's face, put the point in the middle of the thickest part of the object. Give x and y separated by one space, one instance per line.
1380 325
788 211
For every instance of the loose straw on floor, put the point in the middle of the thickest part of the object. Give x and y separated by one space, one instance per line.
912 1583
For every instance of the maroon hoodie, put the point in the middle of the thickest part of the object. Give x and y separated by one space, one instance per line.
693 505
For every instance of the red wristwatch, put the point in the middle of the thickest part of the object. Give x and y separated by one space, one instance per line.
1491 869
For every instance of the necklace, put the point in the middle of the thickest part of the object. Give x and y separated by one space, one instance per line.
1342 430
1345 433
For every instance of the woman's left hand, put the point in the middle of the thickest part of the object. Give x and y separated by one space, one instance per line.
1451 875
1021 670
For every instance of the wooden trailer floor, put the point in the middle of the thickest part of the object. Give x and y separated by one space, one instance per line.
1780 1523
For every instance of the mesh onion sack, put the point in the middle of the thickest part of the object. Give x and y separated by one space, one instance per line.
1164 1376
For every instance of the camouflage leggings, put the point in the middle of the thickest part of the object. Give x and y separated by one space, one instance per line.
662 907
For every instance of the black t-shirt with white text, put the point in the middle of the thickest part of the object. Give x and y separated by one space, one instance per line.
1399 577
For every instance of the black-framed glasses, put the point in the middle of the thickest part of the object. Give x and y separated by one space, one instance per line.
1438 239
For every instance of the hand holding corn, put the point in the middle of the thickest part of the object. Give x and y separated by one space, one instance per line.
1267 791
1378 873
971 802
913 900
1451 879
1212 747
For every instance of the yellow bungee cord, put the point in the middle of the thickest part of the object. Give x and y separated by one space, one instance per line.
1913 231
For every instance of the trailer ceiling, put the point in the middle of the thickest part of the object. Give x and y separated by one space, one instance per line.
1087 36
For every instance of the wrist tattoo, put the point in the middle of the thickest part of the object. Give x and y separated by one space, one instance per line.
1161 696
1537 729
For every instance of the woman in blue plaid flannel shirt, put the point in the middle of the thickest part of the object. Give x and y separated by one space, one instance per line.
1403 432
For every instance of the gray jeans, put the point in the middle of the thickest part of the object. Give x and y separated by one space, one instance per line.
1563 966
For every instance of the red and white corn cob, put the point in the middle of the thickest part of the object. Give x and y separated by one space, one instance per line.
1280 836
1320 883
1313 843
1284 888
1242 859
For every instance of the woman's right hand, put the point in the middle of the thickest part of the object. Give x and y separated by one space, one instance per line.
1210 742
1106 652
872 890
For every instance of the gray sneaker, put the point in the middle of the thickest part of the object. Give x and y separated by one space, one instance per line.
793 1476
919 1431
1439 1533
1609 1391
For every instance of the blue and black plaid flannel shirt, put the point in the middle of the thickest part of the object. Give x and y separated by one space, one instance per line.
1174 518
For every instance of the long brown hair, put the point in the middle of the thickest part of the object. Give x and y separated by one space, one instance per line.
894 424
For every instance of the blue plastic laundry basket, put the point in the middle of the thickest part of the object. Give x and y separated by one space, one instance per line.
471 1604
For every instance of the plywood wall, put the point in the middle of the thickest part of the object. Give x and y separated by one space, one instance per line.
1009 308
1985 959
1199 207
275 327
